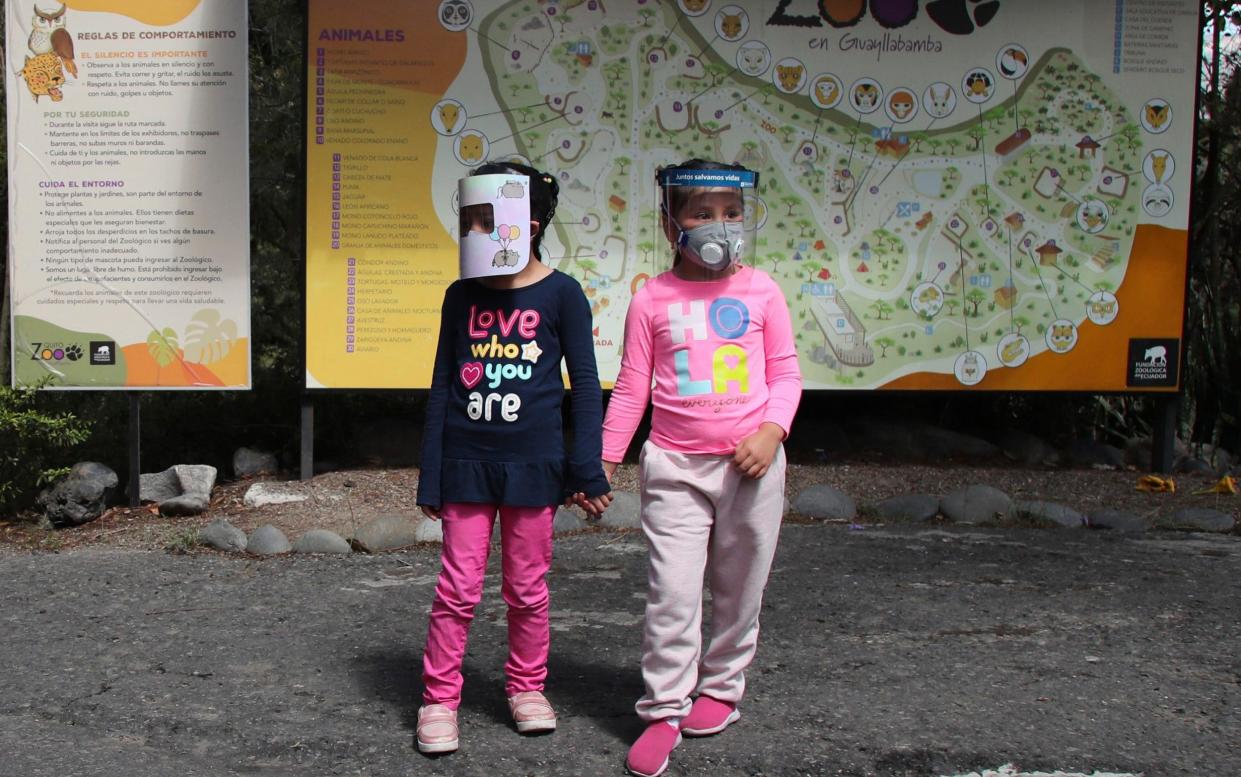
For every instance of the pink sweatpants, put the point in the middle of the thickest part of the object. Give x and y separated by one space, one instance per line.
526 548
701 515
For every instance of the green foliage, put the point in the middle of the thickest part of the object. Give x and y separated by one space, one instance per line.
34 443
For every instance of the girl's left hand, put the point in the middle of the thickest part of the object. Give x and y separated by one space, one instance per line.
755 453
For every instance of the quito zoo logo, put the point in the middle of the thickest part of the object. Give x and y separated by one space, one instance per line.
54 352
958 17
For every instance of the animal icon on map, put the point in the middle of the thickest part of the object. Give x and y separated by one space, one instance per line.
49 36
471 148
1013 63
730 26
901 104
449 113
456 14
1061 337
695 6
753 58
865 96
827 90
1159 165
1157 114
978 85
790 76
940 99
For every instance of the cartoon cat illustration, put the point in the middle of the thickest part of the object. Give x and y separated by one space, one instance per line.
753 61
449 113
790 76
695 6
730 26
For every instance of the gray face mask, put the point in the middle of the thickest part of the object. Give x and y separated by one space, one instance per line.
715 245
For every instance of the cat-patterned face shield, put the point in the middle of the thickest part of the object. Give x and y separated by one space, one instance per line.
494 220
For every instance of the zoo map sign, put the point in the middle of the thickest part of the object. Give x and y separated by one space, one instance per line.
953 194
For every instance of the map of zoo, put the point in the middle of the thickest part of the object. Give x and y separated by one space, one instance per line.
950 222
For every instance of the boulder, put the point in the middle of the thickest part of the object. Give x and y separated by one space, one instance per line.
81 496
183 489
825 503
1092 453
387 532
567 520
625 512
976 504
1028 448
267 540
186 504
1196 519
321 541
911 508
1049 514
261 494
248 462
428 530
1116 520
222 535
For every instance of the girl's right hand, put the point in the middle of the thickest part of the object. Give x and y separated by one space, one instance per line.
431 512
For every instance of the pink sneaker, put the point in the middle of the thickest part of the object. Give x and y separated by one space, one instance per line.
437 729
648 757
709 716
532 712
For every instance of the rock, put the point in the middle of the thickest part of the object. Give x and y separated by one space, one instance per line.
248 462
1190 465
428 530
187 504
945 443
1049 513
1028 448
1138 453
976 504
386 532
625 512
913 508
825 503
261 494
1196 519
267 540
178 480
158 486
886 438
222 535
1116 520
567 520
81 496
321 541
1092 453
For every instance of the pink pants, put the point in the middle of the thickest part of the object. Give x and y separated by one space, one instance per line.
526 548
702 517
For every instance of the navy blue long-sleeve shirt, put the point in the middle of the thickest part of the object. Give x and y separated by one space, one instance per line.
493 420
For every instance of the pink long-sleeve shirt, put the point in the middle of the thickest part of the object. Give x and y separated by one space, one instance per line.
722 360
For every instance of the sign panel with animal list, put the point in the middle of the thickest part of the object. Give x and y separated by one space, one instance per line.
128 156
953 194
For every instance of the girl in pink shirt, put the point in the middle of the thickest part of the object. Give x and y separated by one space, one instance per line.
709 343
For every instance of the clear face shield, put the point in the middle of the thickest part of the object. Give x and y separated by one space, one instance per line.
494 219
710 214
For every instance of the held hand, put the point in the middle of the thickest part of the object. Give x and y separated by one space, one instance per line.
596 505
755 453
431 512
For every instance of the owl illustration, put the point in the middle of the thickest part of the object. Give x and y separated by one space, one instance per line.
49 36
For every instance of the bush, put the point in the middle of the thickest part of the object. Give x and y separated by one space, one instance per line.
33 443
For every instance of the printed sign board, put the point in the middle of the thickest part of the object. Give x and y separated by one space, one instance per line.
953 194
128 145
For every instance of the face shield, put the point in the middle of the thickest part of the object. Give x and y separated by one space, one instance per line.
494 216
711 214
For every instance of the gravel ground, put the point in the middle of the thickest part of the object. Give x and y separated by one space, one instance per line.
344 500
